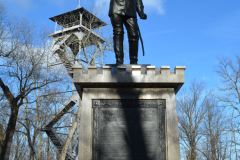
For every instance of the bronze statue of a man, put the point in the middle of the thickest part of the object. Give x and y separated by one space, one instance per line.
124 12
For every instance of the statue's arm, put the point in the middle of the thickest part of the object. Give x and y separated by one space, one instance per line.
140 9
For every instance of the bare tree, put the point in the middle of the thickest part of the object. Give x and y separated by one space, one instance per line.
214 145
24 48
10 27
23 63
229 73
19 147
191 113
206 127
229 92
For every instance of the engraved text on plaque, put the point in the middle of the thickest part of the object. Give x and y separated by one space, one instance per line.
128 130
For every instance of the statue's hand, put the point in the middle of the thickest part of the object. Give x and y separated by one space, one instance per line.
143 16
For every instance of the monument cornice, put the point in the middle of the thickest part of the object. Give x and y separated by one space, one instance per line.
128 76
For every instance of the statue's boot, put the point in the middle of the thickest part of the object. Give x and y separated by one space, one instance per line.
118 48
133 52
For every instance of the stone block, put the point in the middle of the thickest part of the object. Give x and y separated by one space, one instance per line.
136 70
92 70
151 70
179 70
77 70
165 70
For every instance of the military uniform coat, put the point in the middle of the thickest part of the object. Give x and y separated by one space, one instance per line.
125 7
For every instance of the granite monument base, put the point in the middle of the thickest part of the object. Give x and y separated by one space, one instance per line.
124 119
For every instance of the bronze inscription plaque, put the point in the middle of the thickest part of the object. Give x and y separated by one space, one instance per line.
129 130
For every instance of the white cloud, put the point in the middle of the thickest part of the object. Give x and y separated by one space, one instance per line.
154 5
149 5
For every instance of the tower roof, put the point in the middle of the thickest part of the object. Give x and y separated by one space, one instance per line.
74 16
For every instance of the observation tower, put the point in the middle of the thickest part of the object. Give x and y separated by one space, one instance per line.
74 31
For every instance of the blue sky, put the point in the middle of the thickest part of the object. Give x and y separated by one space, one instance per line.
191 33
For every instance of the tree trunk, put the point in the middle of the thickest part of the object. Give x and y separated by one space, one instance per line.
17 148
40 145
193 155
234 138
6 146
30 153
1 137
212 142
48 157
213 148
28 134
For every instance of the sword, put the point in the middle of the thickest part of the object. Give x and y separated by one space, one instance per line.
139 33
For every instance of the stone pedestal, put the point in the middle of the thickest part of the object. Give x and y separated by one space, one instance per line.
126 109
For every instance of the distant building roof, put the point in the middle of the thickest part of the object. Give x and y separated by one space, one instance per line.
73 16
